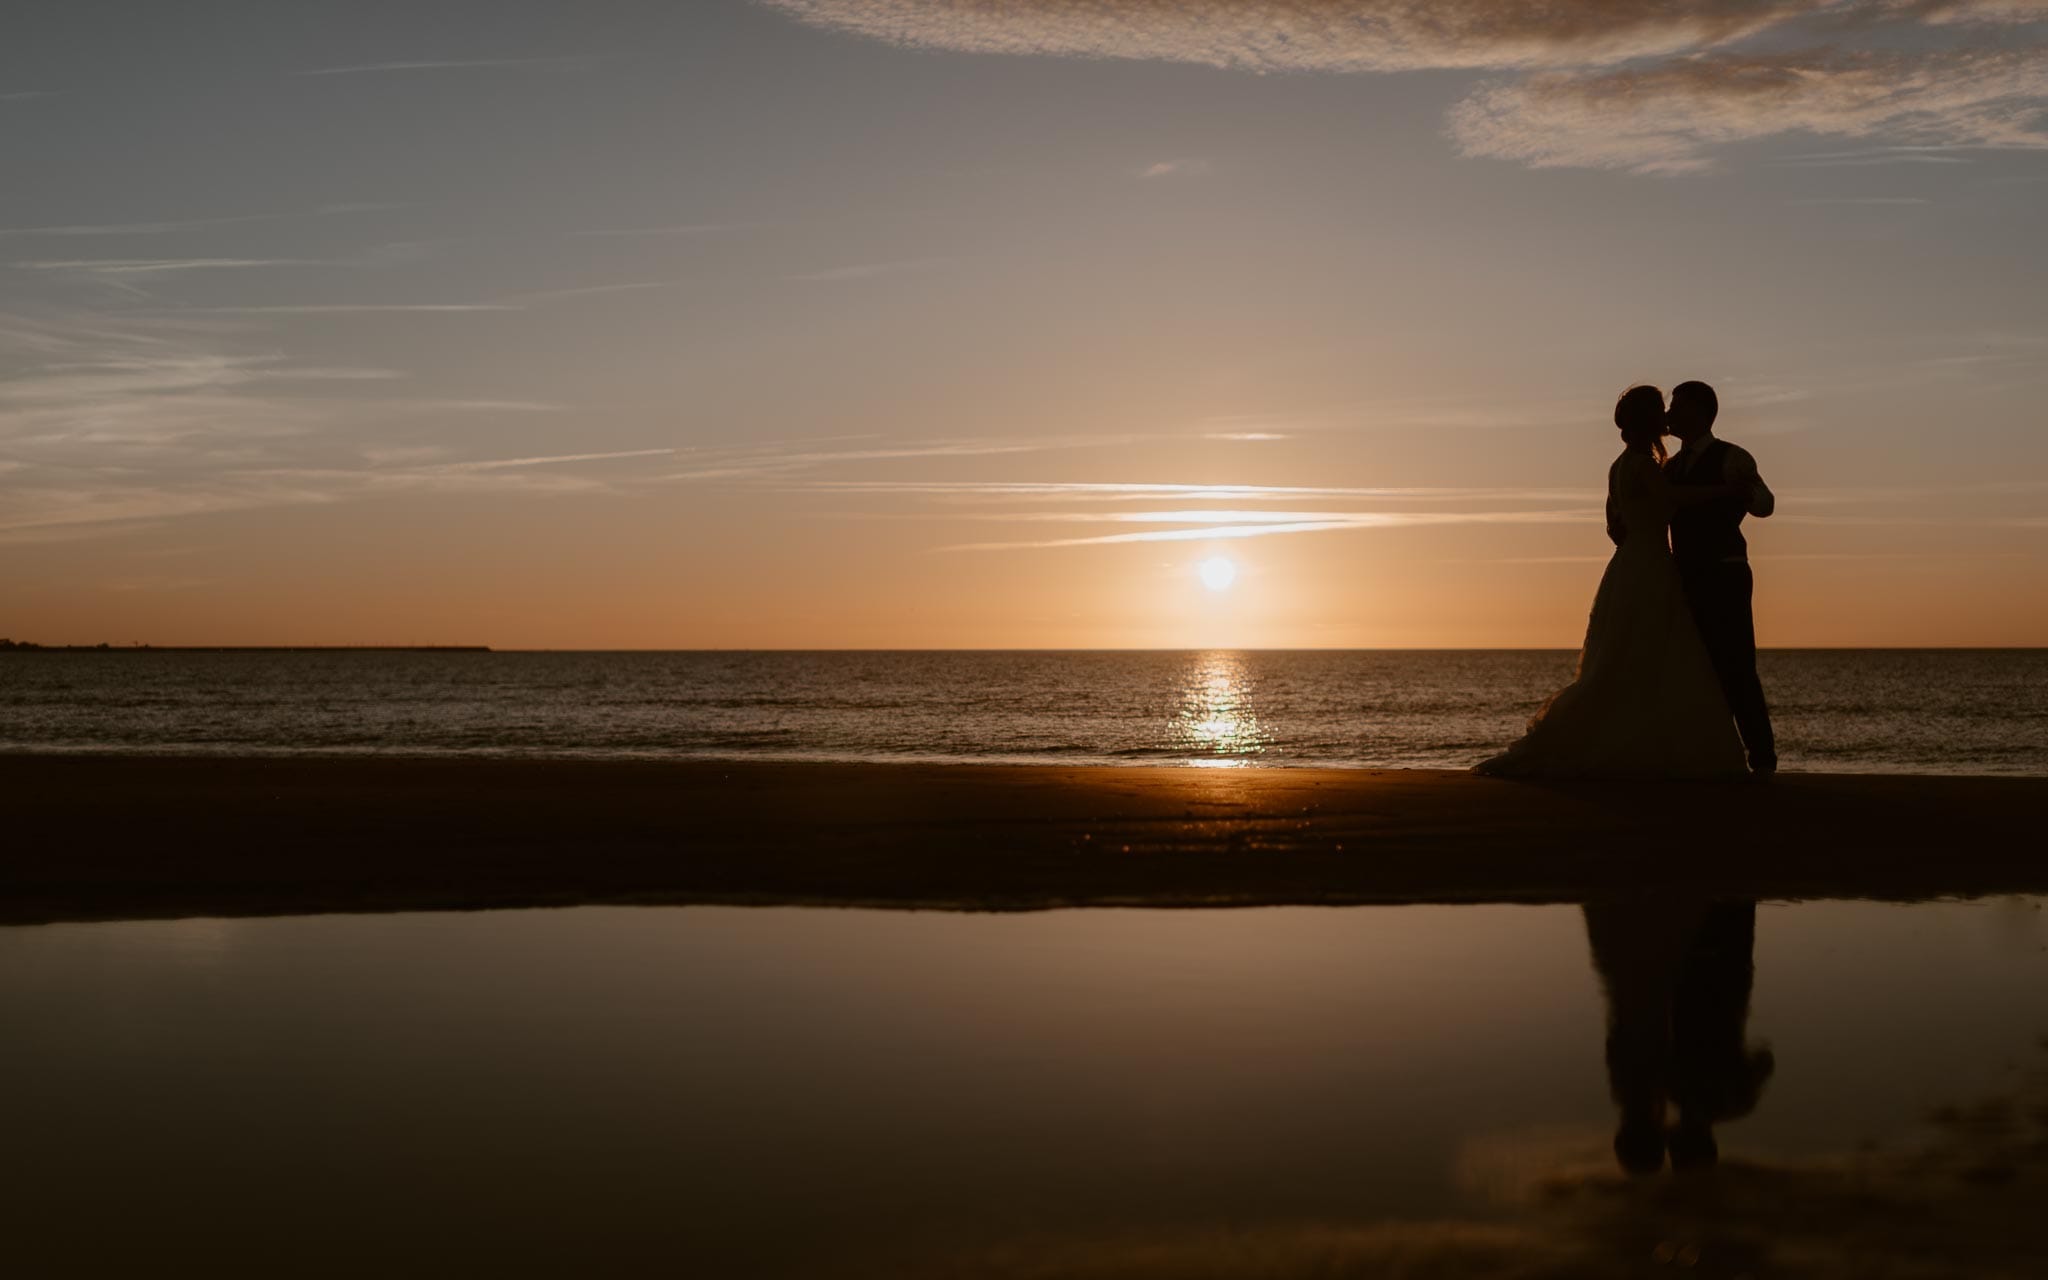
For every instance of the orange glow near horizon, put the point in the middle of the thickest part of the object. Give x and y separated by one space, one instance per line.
981 346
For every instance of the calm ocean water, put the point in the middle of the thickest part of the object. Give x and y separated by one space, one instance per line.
1926 711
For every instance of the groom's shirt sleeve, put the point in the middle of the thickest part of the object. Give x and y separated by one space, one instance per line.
1741 469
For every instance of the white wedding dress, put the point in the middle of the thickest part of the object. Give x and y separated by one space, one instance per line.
1646 703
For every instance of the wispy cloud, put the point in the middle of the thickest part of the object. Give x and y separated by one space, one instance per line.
1208 525
1159 511
457 404
675 229
500 464
1135 491
1175 168
869 270
87 498
135 228
1624 84
445 64
24 95
355 308
107 423
1200 511
1875 156
158 266
357 206
1874 201
753 463
511 302
593 290
392 455
1669 117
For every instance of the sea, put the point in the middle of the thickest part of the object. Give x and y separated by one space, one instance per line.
1940 711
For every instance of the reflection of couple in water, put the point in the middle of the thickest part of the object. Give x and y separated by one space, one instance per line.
1677 975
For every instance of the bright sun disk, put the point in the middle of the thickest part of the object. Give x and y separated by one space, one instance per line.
1218 572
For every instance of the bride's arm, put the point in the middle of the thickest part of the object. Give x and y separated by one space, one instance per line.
1686 495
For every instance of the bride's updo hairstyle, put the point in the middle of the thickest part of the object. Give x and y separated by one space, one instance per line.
1640 415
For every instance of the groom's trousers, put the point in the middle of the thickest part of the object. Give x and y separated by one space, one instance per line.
1719 593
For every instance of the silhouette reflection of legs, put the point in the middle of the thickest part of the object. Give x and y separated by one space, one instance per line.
1677 974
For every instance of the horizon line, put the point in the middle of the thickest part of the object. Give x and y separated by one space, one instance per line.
141 647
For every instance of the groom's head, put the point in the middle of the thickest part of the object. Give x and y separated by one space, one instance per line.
1693 407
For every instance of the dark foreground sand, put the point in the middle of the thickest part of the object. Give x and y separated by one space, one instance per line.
124 837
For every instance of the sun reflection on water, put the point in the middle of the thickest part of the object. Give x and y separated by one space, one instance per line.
1215 719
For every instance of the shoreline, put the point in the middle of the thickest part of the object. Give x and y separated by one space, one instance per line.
1162 760
105 837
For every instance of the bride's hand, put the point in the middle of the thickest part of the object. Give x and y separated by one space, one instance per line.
1691 495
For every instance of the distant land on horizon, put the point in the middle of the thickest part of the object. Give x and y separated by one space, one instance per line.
28 646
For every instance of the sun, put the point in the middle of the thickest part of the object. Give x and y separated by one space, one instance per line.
1217 572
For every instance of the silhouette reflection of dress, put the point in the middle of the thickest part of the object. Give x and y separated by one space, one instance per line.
1677 974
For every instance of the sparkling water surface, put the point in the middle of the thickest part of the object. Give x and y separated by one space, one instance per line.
1921 711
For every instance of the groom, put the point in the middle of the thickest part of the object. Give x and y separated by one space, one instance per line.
1713 560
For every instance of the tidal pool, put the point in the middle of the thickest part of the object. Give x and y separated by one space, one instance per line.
730 1091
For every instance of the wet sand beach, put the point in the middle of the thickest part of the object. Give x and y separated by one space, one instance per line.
120 837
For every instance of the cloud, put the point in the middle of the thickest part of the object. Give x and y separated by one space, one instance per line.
1940 12
1113 491
869 270
678 229
1305 35
1201 512
157 266
449 64
768 461
498 464
512 302
133 228
1873 156
428 460
1175 168
1636 85
1207 525
24 95
351 308
458 405
1668 118
401 454
1155 511
595 290
108 423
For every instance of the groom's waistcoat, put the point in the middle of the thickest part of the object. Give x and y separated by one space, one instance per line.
1708 532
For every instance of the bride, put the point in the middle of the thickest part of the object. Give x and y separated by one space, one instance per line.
1646 702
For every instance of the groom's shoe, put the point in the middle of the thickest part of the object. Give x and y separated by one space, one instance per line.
1763 770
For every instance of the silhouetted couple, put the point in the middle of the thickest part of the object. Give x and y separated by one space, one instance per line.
1677 973
1667 684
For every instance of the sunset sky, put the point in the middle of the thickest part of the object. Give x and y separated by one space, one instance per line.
983 323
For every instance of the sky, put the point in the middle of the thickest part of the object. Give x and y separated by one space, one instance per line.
987 323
